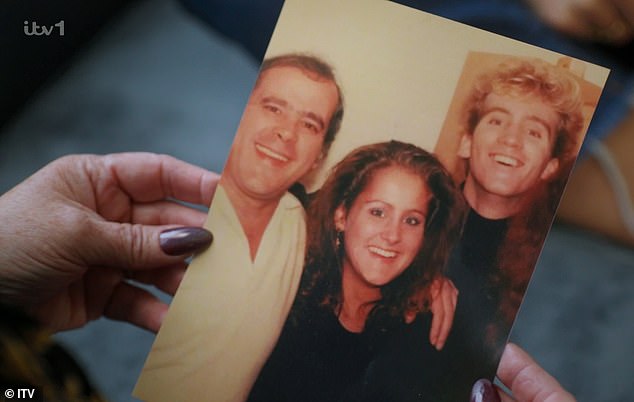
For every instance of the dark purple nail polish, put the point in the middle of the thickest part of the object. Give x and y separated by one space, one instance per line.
181 241
484 391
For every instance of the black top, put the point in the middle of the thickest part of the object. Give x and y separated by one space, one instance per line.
474 268
315 359
478 336
407 369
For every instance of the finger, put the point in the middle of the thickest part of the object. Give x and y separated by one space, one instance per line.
437 309
626 8
166 279
562 16
135 246
454 293
599 13
451 293
449 303
149 177
136 306
605 23
527 380
167 213
438 316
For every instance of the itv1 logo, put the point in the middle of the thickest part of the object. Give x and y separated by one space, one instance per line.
32 28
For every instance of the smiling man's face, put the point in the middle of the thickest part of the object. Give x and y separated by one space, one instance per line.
281 133
510 150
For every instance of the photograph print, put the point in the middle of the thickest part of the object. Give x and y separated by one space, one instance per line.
381 211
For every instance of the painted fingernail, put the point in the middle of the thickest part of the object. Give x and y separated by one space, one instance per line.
186 240
484 391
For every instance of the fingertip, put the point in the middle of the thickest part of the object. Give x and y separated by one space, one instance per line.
209 183
160 317
515 353
512 347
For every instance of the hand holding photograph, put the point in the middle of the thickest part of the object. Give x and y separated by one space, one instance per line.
379 254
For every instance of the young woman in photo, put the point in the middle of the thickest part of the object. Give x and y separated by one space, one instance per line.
379 232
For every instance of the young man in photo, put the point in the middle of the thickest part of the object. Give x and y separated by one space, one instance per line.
522 124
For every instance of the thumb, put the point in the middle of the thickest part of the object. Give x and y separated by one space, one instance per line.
131 246
527 380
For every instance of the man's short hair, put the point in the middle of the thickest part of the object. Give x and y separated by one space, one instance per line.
520 77
316 69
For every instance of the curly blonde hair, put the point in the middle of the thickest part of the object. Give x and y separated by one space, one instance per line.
523 77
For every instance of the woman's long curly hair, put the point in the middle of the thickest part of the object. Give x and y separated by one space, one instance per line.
322 278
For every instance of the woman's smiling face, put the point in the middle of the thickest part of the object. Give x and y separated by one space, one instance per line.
385 226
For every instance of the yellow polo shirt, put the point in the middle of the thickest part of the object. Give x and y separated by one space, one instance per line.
228 312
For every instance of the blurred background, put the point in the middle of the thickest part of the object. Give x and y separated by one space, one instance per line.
173 77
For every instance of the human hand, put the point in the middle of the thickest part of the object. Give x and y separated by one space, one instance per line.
75 232
442 298
607 21
524 377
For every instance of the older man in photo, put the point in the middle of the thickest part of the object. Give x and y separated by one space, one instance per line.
232 304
